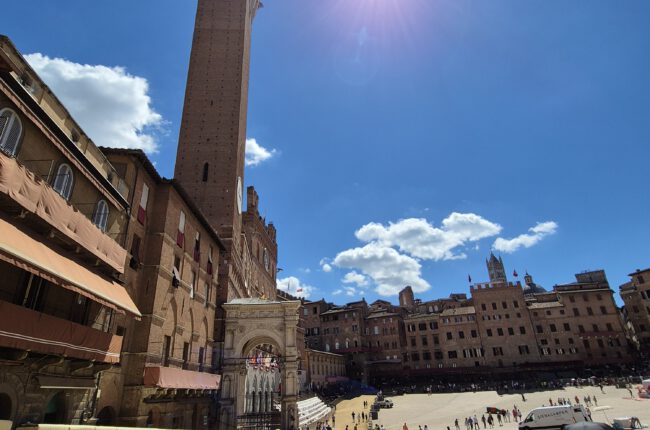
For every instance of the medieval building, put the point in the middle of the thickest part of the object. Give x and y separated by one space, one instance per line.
501 329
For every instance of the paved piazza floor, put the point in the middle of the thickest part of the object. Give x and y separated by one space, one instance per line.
439 410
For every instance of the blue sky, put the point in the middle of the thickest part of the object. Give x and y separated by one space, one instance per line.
385 117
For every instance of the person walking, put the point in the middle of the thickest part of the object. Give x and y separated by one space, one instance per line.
484 421
456 424
595 400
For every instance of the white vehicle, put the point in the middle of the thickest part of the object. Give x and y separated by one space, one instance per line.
554 417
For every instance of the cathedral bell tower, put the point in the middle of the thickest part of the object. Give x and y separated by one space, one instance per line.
496 271
212 141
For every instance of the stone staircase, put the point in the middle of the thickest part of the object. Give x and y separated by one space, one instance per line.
311 411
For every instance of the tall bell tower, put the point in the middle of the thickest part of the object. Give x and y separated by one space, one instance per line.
212 141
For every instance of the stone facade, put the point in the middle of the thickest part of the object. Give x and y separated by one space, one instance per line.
636 296
502 326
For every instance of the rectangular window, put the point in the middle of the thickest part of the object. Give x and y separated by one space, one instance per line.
192 284
609 327
424 341
142 209
581 328
494 306
497 351
515 304
166 347
449 336
522 330
180 235
186 355
603 310
201 358
461 334
595 327
209 266
500 331
197 247
452 354
437 355
511 331
422 326
413 342
567 327
415 356
589 310
489 332
539 329
135 249
436 340
504 305
474 333
553 328
433 325
576 312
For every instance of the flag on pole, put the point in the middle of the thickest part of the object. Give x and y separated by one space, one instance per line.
469 278
515 274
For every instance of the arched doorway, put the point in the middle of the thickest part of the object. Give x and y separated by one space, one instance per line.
55 411
106 417
6 407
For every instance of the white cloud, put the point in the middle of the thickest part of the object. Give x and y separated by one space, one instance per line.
390 270
420 239
324 265
295 287
355 278
112 106
256 153
526 240
349 291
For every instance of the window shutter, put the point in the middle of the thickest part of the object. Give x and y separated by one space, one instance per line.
180 235
142 209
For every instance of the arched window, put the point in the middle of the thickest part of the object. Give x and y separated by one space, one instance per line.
206 166
336 346
10 130
63 181
100 218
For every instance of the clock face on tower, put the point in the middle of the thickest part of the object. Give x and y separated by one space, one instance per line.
239 194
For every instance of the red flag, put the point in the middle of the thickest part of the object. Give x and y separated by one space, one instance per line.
298 290
515 274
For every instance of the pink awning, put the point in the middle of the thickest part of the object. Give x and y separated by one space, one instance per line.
36 196
171 377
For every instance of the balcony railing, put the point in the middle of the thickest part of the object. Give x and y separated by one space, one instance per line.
25 329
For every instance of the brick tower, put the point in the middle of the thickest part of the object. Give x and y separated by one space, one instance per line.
212 141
